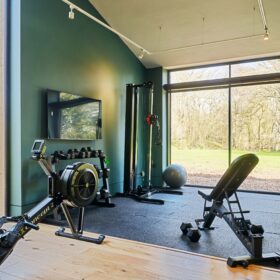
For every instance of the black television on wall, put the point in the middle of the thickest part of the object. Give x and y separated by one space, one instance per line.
73 117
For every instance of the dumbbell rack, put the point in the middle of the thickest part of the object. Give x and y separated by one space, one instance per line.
103 197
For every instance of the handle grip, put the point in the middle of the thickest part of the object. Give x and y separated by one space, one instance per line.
31 225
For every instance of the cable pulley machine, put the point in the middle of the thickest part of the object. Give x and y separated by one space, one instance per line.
141 193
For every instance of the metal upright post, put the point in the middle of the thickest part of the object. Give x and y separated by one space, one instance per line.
81 220
141 193
151 111
135 136
129 132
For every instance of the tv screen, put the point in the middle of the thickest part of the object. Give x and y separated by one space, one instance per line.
73 117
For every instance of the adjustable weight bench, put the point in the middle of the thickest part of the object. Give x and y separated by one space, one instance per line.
250 235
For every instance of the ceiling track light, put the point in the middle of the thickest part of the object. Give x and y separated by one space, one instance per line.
143 51
266 34
261 8
71 14
141 54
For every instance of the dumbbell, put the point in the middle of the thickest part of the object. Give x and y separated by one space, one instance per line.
56 156
65 156
256 229
88 152
76 153
192 233
92 153
82 152
70 154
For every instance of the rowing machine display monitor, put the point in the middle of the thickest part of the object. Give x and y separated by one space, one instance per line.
38 147
250 235
77 186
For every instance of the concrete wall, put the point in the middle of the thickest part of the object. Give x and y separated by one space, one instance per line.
2 127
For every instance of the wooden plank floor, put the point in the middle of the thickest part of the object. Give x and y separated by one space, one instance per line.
42 255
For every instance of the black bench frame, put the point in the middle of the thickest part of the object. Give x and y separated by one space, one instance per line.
234 215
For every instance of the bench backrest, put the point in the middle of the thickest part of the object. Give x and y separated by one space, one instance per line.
236 173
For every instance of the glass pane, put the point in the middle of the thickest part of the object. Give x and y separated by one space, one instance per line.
199 74
199 134
256 128
255 68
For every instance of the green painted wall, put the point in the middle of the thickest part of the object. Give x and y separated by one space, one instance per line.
78 57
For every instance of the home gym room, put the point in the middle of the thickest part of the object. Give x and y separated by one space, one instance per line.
140 139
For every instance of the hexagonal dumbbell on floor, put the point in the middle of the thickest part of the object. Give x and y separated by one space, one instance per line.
257 229
192 233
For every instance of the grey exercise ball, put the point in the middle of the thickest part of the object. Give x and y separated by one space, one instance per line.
175 175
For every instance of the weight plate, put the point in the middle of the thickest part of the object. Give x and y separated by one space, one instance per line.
79 184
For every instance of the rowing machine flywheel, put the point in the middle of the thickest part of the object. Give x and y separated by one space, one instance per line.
79 184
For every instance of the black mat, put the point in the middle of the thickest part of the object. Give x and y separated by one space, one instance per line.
160 224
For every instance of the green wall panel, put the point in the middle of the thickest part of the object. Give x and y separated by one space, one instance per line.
78 57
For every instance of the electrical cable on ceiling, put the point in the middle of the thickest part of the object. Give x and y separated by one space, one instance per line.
77 8
143 51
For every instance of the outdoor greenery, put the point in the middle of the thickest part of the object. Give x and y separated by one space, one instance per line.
215 161
200 118
200 122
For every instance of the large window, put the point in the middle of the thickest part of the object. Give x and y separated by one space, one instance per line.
200 74
256 128
212 125
195 120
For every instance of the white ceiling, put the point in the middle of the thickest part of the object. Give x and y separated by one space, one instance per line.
206 31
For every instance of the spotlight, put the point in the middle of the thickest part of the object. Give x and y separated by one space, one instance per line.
71 14
266 35
141 54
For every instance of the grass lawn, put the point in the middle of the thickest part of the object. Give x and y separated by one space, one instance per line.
215 162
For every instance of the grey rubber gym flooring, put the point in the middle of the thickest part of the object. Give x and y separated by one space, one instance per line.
160 224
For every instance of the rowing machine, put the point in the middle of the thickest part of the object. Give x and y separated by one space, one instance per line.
76 187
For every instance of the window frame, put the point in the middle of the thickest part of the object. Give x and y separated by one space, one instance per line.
218 83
